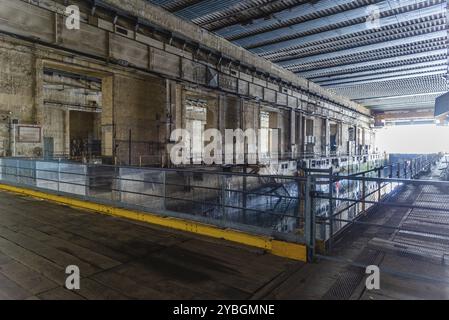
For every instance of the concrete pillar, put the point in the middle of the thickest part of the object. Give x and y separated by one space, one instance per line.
304 133
222 109
171 115
327 135
38 108
67 132
293 133
241 113
222 106
107 117
300 134
38 91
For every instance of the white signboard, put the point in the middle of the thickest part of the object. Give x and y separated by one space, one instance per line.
29 134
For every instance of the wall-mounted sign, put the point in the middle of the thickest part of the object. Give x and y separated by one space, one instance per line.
29 134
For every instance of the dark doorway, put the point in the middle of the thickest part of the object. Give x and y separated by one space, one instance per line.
333 130
84 136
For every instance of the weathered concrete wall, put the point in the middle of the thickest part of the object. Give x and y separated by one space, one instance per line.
116 41
16 96
285 129
139 104
158 16
318 126
107 117
139 109
149 106
56 123
65 90
153 55
344 138
251 113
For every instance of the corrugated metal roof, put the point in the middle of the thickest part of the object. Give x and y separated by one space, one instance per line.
333 43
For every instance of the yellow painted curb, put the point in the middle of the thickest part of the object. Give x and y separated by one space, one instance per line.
280 248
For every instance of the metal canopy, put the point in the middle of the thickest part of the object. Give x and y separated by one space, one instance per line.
387 55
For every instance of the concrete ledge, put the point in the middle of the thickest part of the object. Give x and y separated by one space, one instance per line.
279 248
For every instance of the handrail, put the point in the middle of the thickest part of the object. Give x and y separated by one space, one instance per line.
410 169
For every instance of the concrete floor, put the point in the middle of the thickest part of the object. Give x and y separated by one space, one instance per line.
120 259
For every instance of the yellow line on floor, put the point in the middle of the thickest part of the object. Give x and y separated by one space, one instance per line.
280 248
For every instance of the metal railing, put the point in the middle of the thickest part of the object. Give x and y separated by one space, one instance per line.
267 205
399 224
444 168
376 216
335 195
318 206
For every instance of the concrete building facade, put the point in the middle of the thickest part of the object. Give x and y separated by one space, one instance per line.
115 89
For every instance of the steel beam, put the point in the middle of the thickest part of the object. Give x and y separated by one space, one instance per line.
349 84
376 75
373 63
380 71
365 48
404 114
401 103
363 100
400 107
204 8
295 12
258 43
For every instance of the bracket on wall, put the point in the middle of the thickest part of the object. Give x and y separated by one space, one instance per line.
219 60
212 77
115 19
137 25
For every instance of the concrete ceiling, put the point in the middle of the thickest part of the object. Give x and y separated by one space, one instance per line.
397 61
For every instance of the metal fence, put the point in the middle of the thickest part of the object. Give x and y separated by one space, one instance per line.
338 199
378 216
444 168
400 225
267 205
